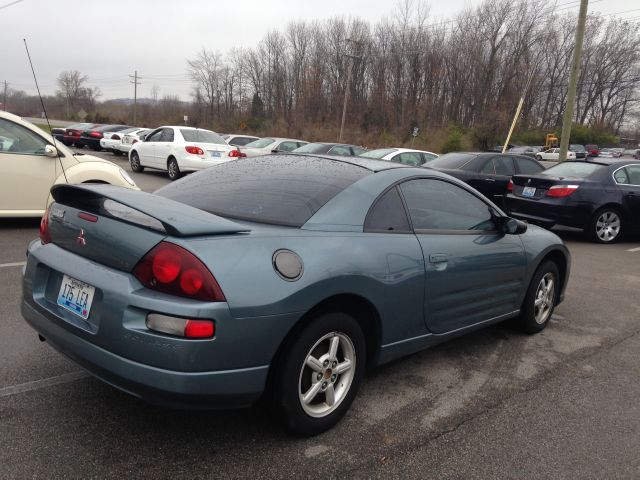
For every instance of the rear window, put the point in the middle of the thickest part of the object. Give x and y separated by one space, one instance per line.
380 153
263 142
452 160
201 136
281 190
313 148
573 169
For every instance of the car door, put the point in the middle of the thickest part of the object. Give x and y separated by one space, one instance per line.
631 194
163 148
473 272
146 149
27 173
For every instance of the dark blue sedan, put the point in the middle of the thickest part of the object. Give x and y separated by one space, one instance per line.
282 276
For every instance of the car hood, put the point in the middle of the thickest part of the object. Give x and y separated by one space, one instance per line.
92 158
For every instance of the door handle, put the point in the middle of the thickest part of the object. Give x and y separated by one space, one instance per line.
438 258
489 179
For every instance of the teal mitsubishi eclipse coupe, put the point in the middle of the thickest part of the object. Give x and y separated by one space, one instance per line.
281 277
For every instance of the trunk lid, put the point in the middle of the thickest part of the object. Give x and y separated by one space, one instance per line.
541 184
114 227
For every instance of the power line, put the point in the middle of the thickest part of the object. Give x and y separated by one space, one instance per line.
9 4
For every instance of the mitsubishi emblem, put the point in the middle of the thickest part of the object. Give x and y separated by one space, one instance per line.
80 239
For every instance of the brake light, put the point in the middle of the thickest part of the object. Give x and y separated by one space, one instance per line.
236 154
95 134
561 190
45 235
115 137
134 141
510 186
171 269
194 150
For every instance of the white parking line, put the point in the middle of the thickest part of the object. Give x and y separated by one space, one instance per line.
45 382
637 249
14 264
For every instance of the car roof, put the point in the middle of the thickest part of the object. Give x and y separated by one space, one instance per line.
370 164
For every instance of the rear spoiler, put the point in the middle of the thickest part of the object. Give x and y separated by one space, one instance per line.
178 219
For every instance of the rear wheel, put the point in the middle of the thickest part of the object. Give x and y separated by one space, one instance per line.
117 153
320 374
134 161
173 169
541 298
606 226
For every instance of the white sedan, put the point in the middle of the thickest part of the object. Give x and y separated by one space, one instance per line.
401 155
177 150
110 139
129 139
553 154
265 146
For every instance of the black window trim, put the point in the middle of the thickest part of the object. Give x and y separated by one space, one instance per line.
620 168
424 231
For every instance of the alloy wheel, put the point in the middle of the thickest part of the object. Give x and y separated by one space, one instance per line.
608 226
326 374
543 300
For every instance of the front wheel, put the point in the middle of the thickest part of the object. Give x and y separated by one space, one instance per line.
541 298
606 226
134 161
173 169
538 157
320 374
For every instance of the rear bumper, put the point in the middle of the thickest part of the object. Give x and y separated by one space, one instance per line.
218 389
195 163
548 211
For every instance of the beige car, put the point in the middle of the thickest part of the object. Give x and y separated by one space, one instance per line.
31 161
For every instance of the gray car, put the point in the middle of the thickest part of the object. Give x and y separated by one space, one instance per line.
282 276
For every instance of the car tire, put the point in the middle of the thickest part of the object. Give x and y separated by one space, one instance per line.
173 169
541 298
117 153
539 158
308 369
134 162
606 225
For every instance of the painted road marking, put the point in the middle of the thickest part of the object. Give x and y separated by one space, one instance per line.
637 249
45 382
14 264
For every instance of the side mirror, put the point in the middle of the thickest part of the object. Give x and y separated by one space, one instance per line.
275 150
50 151
511 226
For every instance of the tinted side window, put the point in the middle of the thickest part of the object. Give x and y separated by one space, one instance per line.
287 146
504 166
634 174
428 157
340 150
409 158
241 141
489 167
439 205
388 214
527 166
154 136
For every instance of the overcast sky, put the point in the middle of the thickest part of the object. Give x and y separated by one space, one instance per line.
109 40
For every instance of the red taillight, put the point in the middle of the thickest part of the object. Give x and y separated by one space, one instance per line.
95 134
510 186
134 141
171 269
115 137
199 329
194 150
45 235
561 190
235 154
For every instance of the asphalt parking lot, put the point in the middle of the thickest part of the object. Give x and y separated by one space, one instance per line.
493 404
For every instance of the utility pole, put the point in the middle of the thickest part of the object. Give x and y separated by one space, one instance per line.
346 89
573 80
135 79
4 104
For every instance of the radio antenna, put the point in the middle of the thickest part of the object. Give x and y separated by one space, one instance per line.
44 110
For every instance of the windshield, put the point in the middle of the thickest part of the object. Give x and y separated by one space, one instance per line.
572 169
380 153
452 160
279 189
201 136
576 148
262 143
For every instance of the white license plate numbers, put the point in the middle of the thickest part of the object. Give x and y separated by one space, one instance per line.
528 191
76 296
215 154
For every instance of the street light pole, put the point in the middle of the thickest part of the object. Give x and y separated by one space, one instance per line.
573 80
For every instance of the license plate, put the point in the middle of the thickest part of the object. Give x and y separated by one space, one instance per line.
528 191
76 296
214 154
